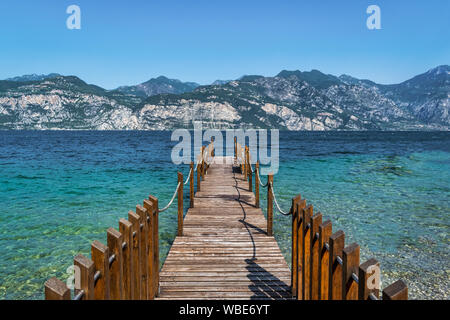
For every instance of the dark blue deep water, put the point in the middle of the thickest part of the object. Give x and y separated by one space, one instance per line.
60 190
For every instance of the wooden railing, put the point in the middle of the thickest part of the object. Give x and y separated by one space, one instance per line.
322 266
127 267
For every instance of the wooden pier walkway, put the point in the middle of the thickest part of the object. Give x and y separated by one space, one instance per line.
224 252
224 248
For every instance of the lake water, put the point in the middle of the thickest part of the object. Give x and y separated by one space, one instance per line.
60 190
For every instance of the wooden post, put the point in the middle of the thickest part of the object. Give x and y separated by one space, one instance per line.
337 243
368 271
316 221
246 168
300 264
191 186
235 149
199 179
203 163
250 174
180 204
325 231
136 236
125 228
100 256
307 213
114 239
350 266
150 248
256 184
396 291
55 289
86 267
269 205
294 261
242 158
154 201
142 213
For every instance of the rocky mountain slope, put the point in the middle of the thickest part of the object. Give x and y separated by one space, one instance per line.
158 86
33 77
291 100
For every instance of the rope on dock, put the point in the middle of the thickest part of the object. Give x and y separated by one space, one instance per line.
189 175
259 179
171 200
284 213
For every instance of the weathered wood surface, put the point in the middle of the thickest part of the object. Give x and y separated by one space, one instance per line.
225 252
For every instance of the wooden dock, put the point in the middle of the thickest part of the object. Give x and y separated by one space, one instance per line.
224 248
224 252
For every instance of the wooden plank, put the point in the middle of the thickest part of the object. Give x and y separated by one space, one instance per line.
136 236
369 279
307 214
337 243
148 205
269 206
325 231
350 267
250 174
180 204
125 228
300 263
316 221
86 267
115 239
191 185
55 289
396 291
236 288
225 251
100 257
199 179
257 184
294 231
154 201
228 283
142 213
234 273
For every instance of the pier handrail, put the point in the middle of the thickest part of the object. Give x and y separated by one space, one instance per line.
284 213
322 266
171 200
128 266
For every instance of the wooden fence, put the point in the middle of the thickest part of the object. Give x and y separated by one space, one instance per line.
323 266
127 267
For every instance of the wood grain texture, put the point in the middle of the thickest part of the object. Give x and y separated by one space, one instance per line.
325 231
86 267
136 247
100 256
125 228
294 262
55 289
396 291
224 252
350 266
115 239
316 221
337 243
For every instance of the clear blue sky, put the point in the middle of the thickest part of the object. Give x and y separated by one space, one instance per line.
128 42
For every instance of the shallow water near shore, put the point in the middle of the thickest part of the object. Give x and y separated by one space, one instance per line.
60 190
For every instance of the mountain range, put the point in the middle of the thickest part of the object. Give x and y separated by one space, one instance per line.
291 100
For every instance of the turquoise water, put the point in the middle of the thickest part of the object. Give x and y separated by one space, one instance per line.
389 192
